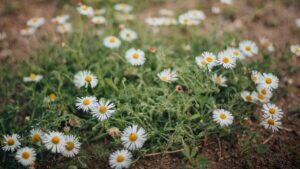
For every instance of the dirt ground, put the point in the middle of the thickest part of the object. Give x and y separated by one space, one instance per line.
273 20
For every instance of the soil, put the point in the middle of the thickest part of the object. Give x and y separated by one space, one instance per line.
270 19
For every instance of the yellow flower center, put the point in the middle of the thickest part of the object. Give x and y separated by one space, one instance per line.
25 154
35 137
209 59
86 102
186 20
268 80
203 62
249 98
218 80
32 76
236 53
88 78
260 96
127 35
223 116
10 141
271 122
272 110
52 96
69 145
254 78
248 48
102 109
164 78
85 8
297 50
112 40
264 91
34 20
136 55
120 158
55 140
133 137
225 60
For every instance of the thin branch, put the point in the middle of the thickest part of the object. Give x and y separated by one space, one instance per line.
268 139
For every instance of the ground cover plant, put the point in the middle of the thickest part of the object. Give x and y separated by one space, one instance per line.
114 89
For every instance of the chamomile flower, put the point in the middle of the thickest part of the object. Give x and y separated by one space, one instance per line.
227 2
186 20
103 110
248 48
133 137
27 31
101 11
51 97
35 22
236 53
215 9
210 58
153 21
272 123
71 146
33 78
248 97
98 20
196 14
219 80
226 59
255 76
85 10
263 98
36 135
269 80
61 19
201 62
86 103
167 75
26 156
123 7
295 49
11 142
267 44
85 78
120 159
64 28
135 57
128 35
54 141
271 110
262 89
297 22
111 42
223 117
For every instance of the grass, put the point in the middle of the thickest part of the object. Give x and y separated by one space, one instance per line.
171 118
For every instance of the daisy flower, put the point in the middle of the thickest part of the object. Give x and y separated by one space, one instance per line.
71 146
262 89
271 110
186 20
64 28
111 42
26 156
33 78
210 58
236 53
215 9
167 75
35 22
272 123
248 97
248 48
128 35
61 19
226 60
135 57
219 80
261 97
36 135
27 31
267 44
166 12
98 20
11 143
196 14
123 7
86 103
297 21
84 79
268 80
101 11
201 62
120 159
103 110
223 117
295 49
85 10
51 97
54 141
227 2
133 137
255 76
